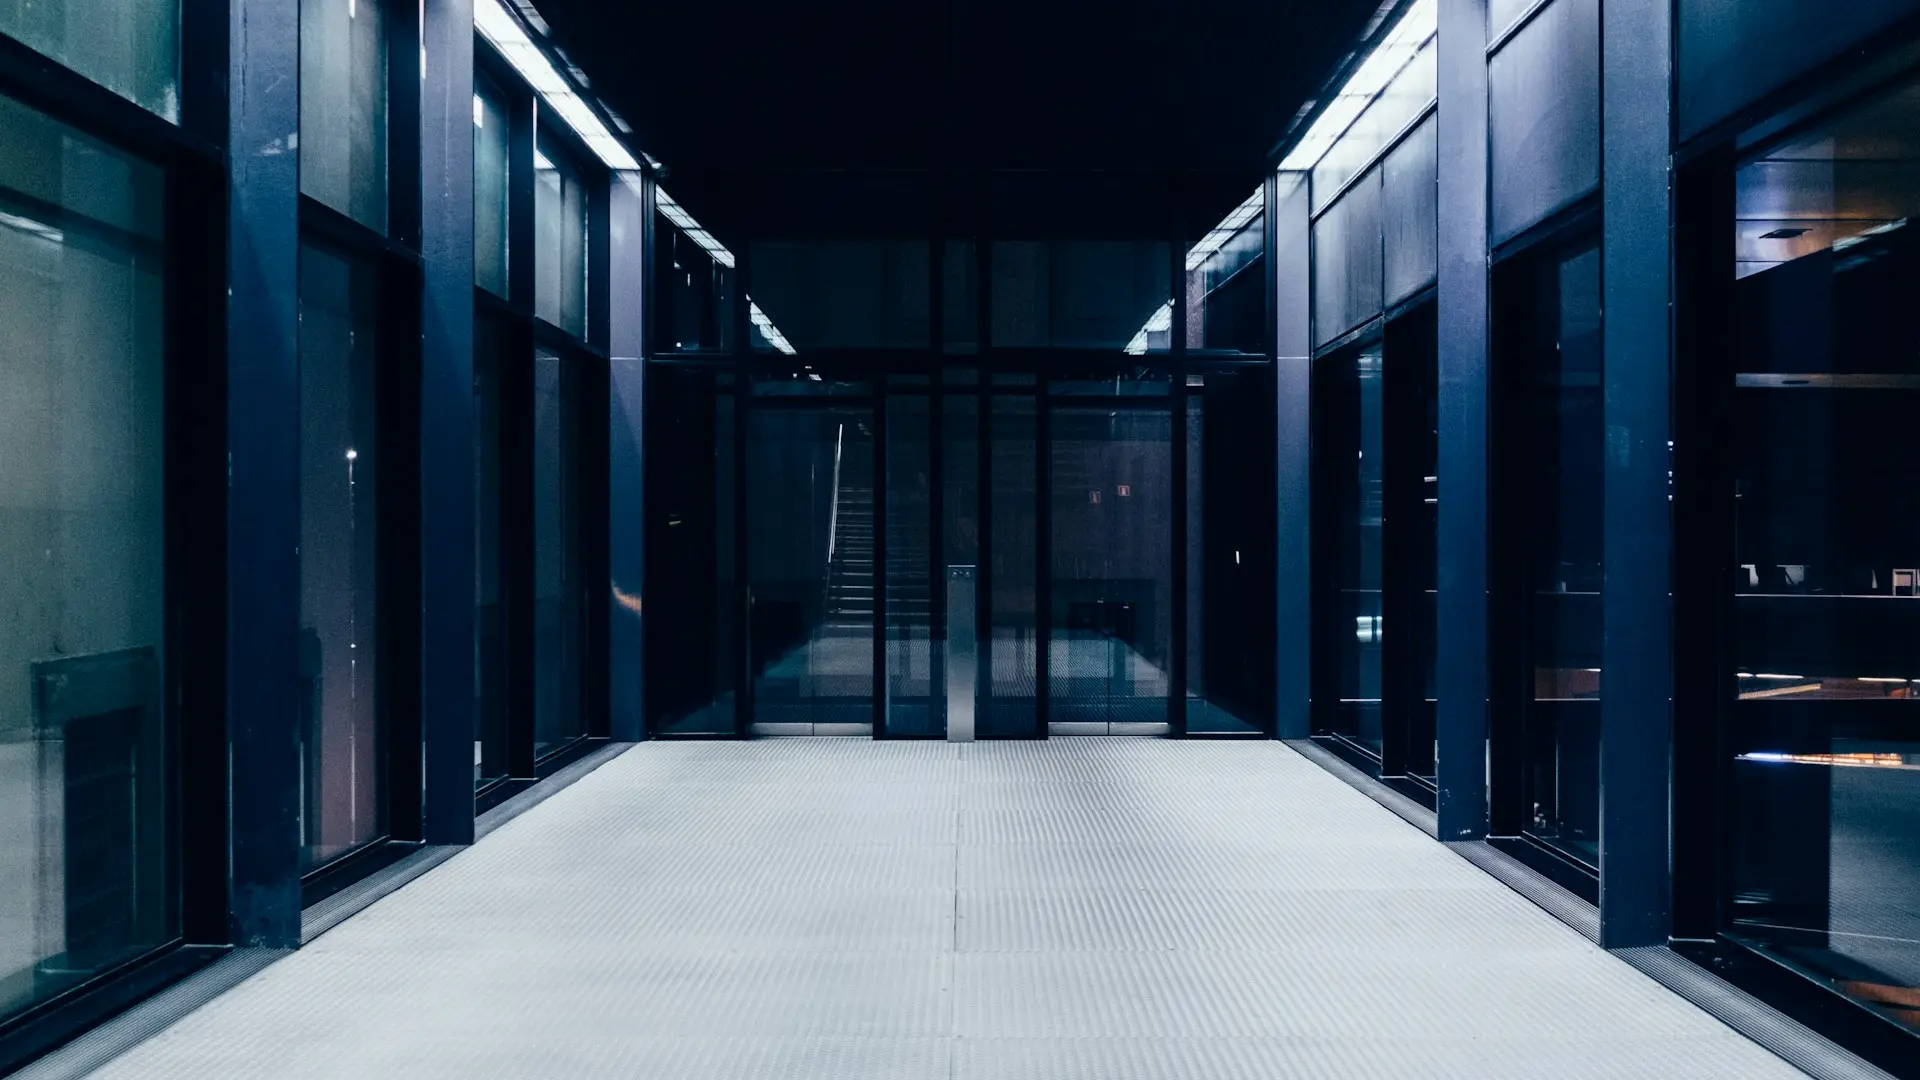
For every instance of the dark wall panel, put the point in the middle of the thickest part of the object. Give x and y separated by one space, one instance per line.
1412 198
1732 54
1544 108
1347 266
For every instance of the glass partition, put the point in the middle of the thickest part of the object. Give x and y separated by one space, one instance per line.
558 574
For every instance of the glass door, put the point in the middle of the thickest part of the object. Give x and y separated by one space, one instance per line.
811 569
1110 557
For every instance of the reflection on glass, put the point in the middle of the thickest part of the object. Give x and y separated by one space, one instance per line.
344 801
845 293
558 607
490 623
1081 294
491 155
1825 725
343 107
560 241
86 878
1010 664
693 292
1558 354
810 545
131 47
1112 570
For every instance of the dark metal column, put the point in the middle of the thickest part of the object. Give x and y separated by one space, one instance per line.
1288 209
630 243
1461 652
1178 675
448 624
1636 253
263 454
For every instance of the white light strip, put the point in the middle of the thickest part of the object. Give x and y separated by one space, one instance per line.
771 332
1159 322
1402 43
504 32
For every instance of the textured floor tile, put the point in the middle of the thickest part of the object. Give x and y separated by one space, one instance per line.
1084 909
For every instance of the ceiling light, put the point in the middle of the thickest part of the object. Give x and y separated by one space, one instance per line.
505 33
1394 52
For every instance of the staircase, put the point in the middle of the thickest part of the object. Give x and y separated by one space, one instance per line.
850 576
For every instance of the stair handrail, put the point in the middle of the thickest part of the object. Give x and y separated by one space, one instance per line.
833 514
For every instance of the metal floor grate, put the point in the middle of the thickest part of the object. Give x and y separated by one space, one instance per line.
1100 908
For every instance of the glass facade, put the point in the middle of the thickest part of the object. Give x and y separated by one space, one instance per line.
1822 722
492 152
559 717
492 655
343 107
560 216
1547 309
131 47
341 715
88 874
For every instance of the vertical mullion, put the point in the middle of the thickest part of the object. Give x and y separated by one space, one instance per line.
630 246
740 342
440 195
881 689
983 443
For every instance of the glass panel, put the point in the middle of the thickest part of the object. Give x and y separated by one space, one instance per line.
492 155
1112 571
1230 626
1825 726
911 681
846 293
690 581
1089 294
490 630
1011 661
558 607
86 868
344 803
960 516
695 292
131 47
560 241
1413 458
811 569
1560 502
1226 281
1351 433
343 107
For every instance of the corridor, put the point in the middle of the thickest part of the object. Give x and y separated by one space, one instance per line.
1090 909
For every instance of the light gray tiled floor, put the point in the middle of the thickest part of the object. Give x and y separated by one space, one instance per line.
1097 909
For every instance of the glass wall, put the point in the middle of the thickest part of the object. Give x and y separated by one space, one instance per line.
560 240
87 877
558 573
343 804
1011 658
913 682
343 107
492 153
1824 721
1547 341
132 47
1111 563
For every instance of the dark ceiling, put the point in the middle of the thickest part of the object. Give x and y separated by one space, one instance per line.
714 86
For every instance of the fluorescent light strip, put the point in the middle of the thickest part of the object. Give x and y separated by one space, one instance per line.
504 32
1401 44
